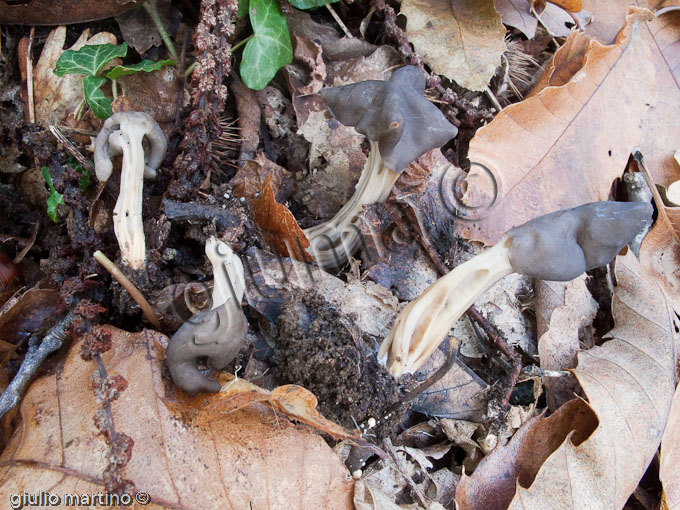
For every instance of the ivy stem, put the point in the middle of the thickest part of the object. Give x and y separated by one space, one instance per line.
114 88
241 43
189 70
79 109
150 7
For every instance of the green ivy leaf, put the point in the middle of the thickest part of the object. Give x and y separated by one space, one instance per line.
310 4
145 65
89 59
270 48
99 103
242 9
55 197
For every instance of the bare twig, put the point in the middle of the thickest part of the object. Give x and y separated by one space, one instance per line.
29 76
151 8
130 287
29 244
339 21
35 356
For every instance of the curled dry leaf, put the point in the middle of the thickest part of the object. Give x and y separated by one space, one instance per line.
294 401
278 225
573 143
669 463
567 5
56 97
460 39
556 20
562 310
629 383
247 457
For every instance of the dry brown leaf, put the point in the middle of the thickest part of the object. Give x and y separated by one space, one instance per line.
517 13
250 458
629 382
669 464
660 249
569 5
278 225
250 179
562 310
460 39
564 146
27 313
56 97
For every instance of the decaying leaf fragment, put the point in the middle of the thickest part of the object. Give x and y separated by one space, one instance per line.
565 145
670 457
460 39
249 457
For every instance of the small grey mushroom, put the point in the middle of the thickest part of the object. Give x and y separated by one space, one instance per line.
401 125
558 246
216 334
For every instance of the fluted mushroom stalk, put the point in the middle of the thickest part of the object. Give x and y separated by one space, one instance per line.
558 247
124 133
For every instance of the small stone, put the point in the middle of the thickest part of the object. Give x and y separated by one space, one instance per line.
357 474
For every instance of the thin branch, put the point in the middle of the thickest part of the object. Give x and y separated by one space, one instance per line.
130 287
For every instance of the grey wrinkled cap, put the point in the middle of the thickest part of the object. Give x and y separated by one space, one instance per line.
394 113
562 245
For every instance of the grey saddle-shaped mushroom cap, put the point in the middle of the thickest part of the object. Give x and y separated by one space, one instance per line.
562 245
394 113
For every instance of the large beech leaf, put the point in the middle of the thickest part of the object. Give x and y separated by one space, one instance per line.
248 458
565 145
629 383
460 39
270 48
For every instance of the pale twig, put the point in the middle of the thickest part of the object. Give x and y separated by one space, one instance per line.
29 76
339 21
130 287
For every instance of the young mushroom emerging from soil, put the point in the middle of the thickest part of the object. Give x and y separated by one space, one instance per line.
217 334
401 125
558 247
124 133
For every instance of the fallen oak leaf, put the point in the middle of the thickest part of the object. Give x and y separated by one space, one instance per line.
278 225
573 144
629 383
517 13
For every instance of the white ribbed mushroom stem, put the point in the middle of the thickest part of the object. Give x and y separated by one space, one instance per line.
334 241
127 215
230 281
424 323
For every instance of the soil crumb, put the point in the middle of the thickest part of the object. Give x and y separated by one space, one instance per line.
321 349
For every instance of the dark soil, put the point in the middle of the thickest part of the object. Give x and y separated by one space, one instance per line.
315 348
